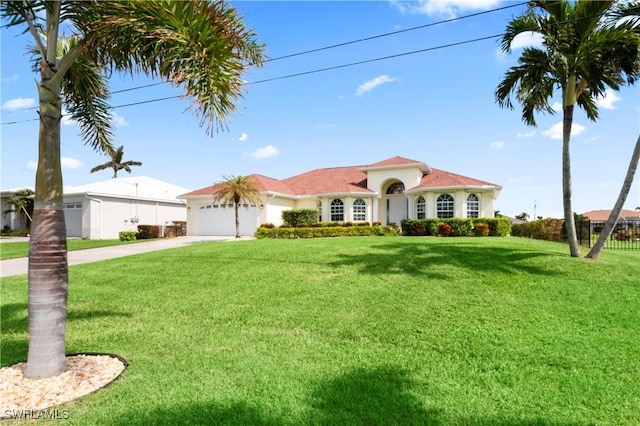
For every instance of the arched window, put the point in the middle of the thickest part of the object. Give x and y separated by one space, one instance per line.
473 205
337 210
359 210
444 206
319 211
421 207
396 188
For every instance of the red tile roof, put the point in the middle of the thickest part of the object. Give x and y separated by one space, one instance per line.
604 214
350 179
331 180
439 178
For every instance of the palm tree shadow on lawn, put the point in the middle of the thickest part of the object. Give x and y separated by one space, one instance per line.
383 395
429 260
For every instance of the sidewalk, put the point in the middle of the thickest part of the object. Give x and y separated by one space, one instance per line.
19 266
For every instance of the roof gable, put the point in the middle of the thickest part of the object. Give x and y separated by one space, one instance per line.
327 181
440 178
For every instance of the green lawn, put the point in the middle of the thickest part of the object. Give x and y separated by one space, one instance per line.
365 330
21 249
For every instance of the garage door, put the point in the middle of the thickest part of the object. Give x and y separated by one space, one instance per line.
214 219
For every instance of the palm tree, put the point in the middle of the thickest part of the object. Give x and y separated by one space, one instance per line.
237 190
610 224
21 202
202 46
586 49
116 162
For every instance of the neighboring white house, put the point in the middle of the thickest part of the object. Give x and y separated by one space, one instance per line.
15 220
101 210
388 191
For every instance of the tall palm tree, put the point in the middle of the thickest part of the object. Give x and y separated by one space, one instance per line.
116 162
237 190
585 50
202 46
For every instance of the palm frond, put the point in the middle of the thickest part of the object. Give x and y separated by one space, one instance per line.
203 47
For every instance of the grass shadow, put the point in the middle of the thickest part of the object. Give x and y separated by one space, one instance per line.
438 261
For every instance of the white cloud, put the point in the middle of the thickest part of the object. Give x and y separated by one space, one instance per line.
264 152
496 145
118 120
373 83
557 107
526 135
18 103
65 162
555 131
11 79
243 137
608 100
447 8
67 120
526 39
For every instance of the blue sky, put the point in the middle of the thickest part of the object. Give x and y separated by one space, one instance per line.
436 106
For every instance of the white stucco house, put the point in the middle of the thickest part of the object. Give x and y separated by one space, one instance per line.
387 191
101 210
14 221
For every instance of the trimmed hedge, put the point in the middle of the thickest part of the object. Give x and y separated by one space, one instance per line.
147 232
495 227
325 231
542 229
128 235
294 218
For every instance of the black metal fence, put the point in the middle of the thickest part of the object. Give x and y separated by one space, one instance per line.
625 235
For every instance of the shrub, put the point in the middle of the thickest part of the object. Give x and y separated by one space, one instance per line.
146 232
293 218
325 231
481 230
128 235
444 229
498 227
542 229
267 225
376 224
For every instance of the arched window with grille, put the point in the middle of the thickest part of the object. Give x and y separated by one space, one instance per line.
337 210
421 205
359 210
444 206
473 206
396 188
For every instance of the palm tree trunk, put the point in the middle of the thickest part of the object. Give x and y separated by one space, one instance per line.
48 276
617 209
569 221
237 220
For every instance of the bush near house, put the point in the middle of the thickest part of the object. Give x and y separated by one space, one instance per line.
147 232
494 227
128 235
293 218
542 229
176 229
323 230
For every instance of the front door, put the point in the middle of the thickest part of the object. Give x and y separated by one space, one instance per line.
396 209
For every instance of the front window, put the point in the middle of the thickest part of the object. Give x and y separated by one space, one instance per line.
396 188
473 206
337 210
359 210
444 206
319 211
421 207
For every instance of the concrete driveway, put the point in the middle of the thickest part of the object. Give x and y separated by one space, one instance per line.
19 266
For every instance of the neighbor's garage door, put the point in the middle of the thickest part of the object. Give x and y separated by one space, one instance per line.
217 220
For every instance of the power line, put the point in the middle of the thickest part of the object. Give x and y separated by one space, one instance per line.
333 46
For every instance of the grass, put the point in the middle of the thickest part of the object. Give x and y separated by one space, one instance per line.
21 249
441 331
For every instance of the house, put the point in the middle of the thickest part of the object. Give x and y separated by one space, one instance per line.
101 210
12 220
387 191
603 215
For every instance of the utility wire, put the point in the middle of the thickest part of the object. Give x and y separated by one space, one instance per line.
333 46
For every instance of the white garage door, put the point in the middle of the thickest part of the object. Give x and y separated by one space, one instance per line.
217 220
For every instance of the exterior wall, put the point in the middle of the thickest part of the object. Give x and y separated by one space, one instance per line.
275 206
377 178
105 217
485 208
